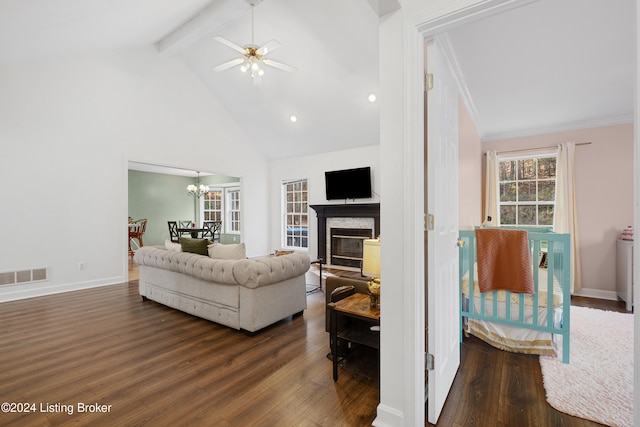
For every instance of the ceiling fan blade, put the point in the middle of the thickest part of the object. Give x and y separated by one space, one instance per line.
269 46
230 44
280 65
228 64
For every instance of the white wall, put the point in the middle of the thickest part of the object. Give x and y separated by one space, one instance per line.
636 219
469 170
313 168
397 402
67 130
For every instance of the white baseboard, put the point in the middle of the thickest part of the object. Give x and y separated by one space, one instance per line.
387 416
14 293
597 293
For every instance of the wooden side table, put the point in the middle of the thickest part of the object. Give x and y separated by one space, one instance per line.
363 329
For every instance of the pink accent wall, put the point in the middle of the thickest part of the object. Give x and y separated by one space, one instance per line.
469 171
604 194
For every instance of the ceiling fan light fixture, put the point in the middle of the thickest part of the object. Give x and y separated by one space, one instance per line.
252 55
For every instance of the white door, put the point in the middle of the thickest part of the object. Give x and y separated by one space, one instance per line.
443 307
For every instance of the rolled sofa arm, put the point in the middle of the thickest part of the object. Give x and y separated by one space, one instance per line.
256 272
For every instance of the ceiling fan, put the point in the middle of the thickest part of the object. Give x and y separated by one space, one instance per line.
252 55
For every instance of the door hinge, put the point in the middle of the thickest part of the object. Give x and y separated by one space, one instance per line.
428 222
428 82
429 361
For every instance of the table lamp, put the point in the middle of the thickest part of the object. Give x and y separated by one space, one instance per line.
371 267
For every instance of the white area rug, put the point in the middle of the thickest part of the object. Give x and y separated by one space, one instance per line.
598 382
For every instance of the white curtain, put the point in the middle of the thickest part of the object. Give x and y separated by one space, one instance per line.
565 217
491 189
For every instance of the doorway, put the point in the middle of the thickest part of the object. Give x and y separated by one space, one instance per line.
159 194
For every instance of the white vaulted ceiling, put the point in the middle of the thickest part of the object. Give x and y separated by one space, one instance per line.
334 46
547 65
33 30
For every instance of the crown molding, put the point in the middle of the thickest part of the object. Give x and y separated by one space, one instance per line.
446 49
587 124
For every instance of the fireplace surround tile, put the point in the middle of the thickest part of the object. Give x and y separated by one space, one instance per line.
357 215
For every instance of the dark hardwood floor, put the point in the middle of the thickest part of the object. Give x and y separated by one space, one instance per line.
157 366
501 389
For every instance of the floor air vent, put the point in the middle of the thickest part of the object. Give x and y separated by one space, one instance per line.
23 276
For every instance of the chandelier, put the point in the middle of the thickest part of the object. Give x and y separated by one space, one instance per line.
197 190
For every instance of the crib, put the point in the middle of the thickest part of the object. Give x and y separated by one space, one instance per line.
528 323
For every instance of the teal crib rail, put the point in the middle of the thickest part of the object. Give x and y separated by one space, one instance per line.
558 255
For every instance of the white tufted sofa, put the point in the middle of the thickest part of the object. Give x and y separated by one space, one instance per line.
246 294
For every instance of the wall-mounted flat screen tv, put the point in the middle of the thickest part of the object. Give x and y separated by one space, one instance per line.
348 183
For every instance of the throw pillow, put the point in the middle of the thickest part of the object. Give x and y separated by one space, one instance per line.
233 251
195 246
280 253
172 246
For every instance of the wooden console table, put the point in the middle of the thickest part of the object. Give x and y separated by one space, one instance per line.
362 328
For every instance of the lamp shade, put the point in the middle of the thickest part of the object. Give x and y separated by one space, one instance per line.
371 257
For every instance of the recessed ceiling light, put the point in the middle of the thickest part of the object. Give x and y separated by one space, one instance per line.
293 118
372 97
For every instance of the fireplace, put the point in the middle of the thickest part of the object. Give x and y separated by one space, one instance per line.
346 246
363 220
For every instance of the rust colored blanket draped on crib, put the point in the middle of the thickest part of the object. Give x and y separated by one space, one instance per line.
503 260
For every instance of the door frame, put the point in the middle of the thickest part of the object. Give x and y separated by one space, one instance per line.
417 26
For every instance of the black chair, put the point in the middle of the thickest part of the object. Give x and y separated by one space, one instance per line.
336 295
184 224
211 230
173 231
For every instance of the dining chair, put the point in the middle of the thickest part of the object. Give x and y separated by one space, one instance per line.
136 230
211 230
173 231
184 224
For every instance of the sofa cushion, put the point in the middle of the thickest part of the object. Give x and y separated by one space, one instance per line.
233 251
172 246
195 246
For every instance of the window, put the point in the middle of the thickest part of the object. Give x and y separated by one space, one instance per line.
295 207
527 191
222 204
233 210
212 209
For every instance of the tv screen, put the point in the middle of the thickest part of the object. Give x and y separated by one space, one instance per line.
348 183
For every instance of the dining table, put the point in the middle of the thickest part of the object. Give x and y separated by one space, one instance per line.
194 231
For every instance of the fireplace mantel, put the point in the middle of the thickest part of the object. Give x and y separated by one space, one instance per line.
360 210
